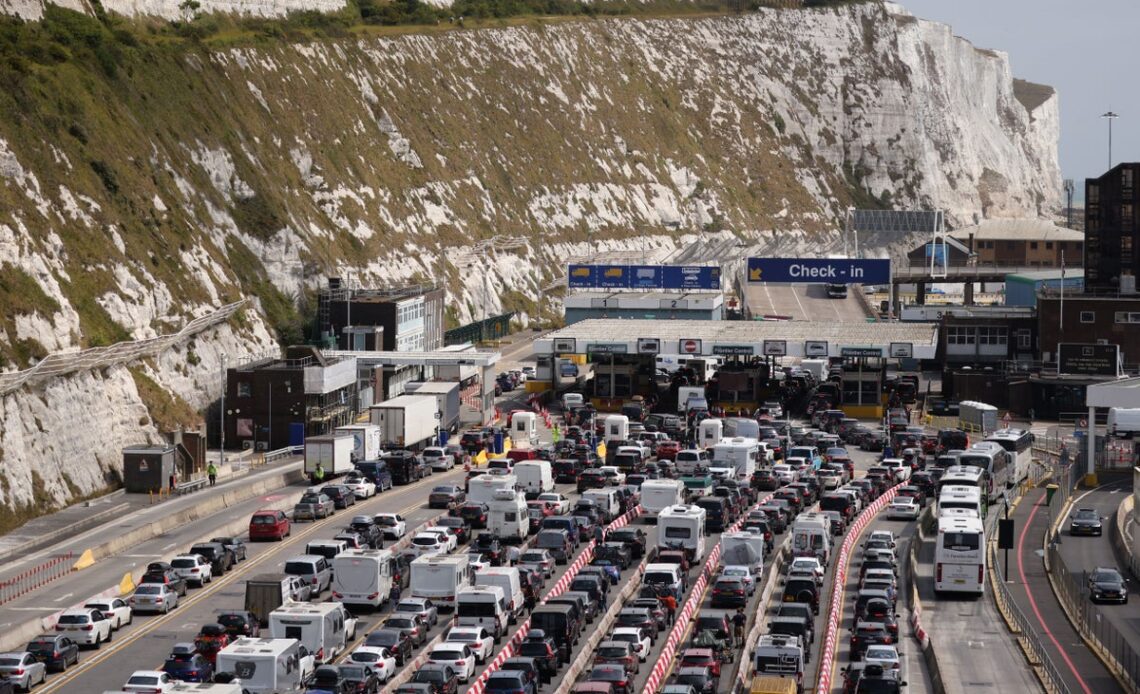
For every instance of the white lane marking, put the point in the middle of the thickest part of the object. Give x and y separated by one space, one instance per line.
63 597
796 295
32 609
168 546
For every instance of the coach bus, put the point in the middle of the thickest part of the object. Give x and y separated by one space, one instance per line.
960 556
1018 443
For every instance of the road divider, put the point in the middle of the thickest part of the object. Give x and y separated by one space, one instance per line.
771 582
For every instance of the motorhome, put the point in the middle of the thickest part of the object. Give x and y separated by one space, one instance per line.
324 628
507 517
741 426
657 495
709 433
267 666
781 655
744 548
811 537
682 527
485 607
482 488
362 576
509 580
440 578
524 429
741 454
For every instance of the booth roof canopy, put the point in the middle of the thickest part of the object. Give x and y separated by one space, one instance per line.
1122 393
747 332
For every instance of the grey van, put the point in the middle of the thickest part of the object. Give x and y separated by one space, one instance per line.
557 542
311 568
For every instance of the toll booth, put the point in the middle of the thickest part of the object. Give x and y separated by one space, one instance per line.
864 373
742 384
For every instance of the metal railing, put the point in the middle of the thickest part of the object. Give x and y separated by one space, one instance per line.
36 577
65 363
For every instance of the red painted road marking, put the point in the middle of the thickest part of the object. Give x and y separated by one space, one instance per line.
1033 602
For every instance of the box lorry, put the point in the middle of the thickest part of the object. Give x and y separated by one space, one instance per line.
324 628
818 368
446 395
439 578
267 666
366 441
332 451
658 495
407 421
1123 422
362 576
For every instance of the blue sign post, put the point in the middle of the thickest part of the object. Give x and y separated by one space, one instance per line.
819 270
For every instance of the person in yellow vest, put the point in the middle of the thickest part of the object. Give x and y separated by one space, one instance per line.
212 473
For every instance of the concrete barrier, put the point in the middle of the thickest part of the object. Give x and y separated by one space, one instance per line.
775 571
409 669
53 536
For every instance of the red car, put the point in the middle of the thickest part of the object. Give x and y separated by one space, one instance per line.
268 525
547 507
701 657
668 450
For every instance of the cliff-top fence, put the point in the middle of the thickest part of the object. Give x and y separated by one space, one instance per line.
64 363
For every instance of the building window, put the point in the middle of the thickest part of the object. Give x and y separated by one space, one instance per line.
244 389
1009 245
1092 193
1048 245
1024 340
1032 245
992 336
1088 316
1126 215
1126 179
1128 316
960 335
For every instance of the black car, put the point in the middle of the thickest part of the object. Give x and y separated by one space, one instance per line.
1107 585
342 496
542 650
1085 521
869 634
54 650
489 546
699 678
614 674
239 623
221 560
527 666
395 640
442 678
365 526
328 678
475 513
631 537
617 552
802 590
161 572
592 479
873 678
234 545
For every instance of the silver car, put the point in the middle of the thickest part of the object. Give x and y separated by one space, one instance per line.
153 597
32 672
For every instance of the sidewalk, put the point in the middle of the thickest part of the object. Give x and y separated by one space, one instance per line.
1030 589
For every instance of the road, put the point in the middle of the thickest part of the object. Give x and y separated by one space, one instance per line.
802 302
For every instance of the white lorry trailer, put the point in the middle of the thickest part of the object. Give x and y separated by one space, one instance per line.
366 440
332 451
446 394
407 421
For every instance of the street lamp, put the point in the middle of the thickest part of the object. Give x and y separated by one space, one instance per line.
1111 116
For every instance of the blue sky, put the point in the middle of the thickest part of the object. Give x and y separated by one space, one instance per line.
1061 43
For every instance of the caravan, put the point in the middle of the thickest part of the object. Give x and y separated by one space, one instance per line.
362 576
440 578
682 527
617 428
507 517
324 628
658 495
524 429
482 489
267 666
745 548
709 433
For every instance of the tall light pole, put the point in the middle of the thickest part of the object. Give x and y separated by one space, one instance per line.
1111 116
222 418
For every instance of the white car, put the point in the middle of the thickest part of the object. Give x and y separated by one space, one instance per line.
149 681
881 536
378 660
809 564
362 487
903 507
85 626
613 473
194 568
899 469
449 539
393 524
438 458
887 656
481 643
775 410
425 544
562 504
785 473
457 656
636 637
742 572
538 559
830 478
115 608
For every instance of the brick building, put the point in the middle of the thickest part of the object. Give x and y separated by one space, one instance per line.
1113 230
1022 243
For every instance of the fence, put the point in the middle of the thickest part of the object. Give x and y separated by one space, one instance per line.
64 363
36 577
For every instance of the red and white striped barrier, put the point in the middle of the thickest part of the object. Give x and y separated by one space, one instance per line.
36 577
831 638
560 587
916 625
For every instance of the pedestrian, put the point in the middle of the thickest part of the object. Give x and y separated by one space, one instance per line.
395 595
513 554
319 474
739 621
599 534
670 604
212 473
173 481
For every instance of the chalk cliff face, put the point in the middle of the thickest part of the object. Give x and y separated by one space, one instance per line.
170 181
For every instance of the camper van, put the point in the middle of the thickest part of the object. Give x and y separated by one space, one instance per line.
682 527
535 477
267 666
741 454
507 517
617 428
524 429
709 433
811 537
440 578
362 576
508 579
324 628
485 607
657 495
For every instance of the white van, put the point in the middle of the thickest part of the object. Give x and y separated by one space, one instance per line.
608 503
688 461
687 393
657 495
440 578
709 433
617 428
524 429
535 476
362 576
507 517
482 488
1123 422
266 666
744 548
324 628
571 400
483 607
507 578
668 575
682 527
811 537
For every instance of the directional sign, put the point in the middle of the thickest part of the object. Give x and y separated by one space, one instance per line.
676 277
819 270
734 350
644 277
815 348
648 345
775 348
1088 359
902 350
581 277
690 277
613 276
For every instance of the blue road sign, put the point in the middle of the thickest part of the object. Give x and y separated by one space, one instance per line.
644 277
680 277
581 277
819 270
613 276
691 277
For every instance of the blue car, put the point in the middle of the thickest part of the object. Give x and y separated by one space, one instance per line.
186 664
612 570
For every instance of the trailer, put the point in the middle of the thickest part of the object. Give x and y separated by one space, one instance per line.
366 440
407 421
446 400
332 451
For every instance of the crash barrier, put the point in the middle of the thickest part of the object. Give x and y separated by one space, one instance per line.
601 631
664 663
835 609
914 602
36 577
560 587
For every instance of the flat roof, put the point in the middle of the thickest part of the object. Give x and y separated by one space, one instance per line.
602 294
1018 230
622 336
439 358
1055 274
1122 393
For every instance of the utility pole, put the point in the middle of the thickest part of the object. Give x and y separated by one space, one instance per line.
1069 202
222 418
1110 116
